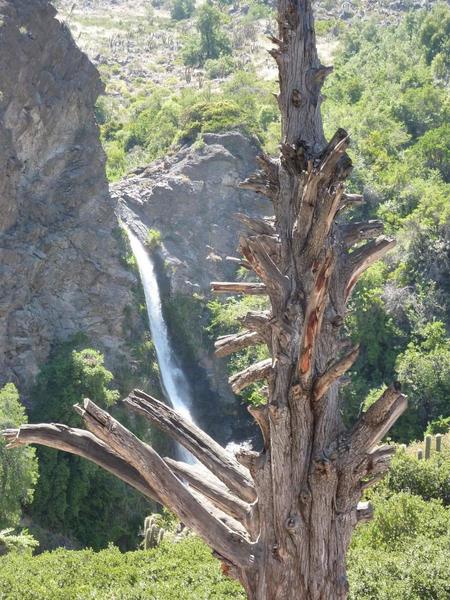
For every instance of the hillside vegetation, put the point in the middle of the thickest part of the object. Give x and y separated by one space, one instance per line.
166 87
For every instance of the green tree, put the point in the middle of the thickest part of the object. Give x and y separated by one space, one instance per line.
424 369
18 467
211 42
435 33
182 9
74 497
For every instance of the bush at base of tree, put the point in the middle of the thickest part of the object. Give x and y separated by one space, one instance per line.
403 553
429 479
174 571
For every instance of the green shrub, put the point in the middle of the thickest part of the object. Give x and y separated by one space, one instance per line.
174 571
182 9
403 553
441 425
18 543
18 466
429 479
153 239
217 68
211 117
116 161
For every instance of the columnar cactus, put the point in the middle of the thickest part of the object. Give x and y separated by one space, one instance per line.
153 533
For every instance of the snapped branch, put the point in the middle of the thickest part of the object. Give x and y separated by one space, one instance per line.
256 226
322 384
377 420
355 232
232 287
228 344
363 257
257 372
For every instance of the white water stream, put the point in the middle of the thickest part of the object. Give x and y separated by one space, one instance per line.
173 379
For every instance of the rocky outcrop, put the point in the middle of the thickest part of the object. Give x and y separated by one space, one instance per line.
191 199
60 258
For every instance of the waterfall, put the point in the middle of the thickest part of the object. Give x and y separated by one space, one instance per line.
174 382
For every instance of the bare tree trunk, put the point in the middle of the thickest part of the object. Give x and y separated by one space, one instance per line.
280 520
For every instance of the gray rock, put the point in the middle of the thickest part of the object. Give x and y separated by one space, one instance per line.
191 199
60 264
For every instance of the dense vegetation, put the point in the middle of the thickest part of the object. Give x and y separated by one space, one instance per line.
74 497
390 90
401 555
18 467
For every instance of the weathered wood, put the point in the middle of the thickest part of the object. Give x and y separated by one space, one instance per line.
377 420
239 261
256 320
260 184
355 232
81 443
323 383
261 416
229 344
254 373
276 284
215 458
258 226
215 491
313 318
173 493
231 287
363 257
350 200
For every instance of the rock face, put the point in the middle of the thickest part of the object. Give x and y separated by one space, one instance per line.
191 199
60 252
59 256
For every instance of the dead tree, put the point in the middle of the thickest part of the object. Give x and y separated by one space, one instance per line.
281 519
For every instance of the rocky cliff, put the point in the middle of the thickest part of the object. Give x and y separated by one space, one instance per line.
188 201
61 255
191 199
60 264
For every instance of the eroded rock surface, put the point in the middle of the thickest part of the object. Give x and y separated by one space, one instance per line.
59 257
191 199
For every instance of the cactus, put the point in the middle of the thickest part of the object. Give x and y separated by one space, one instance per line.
153 533
439 442
427 447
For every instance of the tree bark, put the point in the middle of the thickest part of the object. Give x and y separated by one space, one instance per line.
280 519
